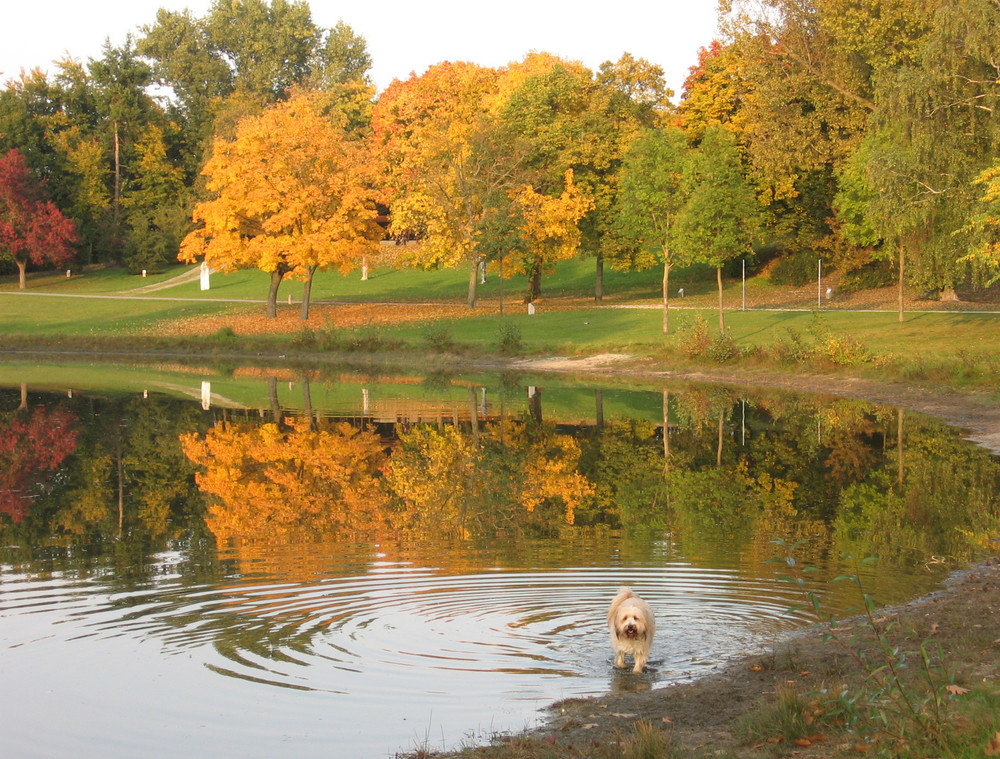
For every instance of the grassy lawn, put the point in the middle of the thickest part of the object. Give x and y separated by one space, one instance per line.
104 304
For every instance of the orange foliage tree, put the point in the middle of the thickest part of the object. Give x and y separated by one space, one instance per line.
270 483
295 192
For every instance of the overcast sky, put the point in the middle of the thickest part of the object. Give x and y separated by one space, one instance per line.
402 36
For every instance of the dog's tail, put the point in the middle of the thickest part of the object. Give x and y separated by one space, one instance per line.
625 592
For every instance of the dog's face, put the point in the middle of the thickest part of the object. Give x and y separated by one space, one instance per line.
631 622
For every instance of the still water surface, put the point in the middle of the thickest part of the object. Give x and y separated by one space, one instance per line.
137 621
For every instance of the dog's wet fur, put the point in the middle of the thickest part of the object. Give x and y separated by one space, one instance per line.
632 626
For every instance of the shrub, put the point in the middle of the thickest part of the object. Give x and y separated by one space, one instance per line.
438 337
699 341
722 349
871 276
795 270
694 340
224 335
509 338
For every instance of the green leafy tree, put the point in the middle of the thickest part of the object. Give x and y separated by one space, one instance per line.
158 208
120 80
720 219
651 197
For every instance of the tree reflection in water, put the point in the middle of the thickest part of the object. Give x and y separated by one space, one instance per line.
378 565
853 476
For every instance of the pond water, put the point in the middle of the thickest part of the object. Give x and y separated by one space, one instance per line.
275 564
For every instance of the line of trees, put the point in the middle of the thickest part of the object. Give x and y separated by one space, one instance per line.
862 132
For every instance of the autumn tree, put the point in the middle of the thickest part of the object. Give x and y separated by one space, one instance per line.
548 230
719 221
52 122
796 81
447 160
517 477
650 199
714 90
569 120
294 194
271 481
33 446
32 230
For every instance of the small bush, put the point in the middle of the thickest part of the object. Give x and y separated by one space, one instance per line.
791 350
722 349
509 338
225 335
372 341
438 337
694 340
699 341
844 351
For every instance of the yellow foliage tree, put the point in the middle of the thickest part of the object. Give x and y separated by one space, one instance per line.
549 230
551 472
295 192
433 474
436 134
270 483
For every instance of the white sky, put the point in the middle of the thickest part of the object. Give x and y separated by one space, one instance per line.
402 35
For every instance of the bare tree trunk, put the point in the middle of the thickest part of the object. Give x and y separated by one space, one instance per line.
666 430
307 295
718 453
307 404
535 283
118 176
902 261
272 396
272 293
599 279
535 405
474 415
22 273
899 447
666 298
121 490
24 396
473 282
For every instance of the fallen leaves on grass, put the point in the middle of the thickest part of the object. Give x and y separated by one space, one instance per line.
993 747
252 321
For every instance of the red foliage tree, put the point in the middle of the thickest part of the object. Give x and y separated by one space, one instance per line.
31 229
32 447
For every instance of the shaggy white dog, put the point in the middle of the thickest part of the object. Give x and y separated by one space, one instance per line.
632 626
